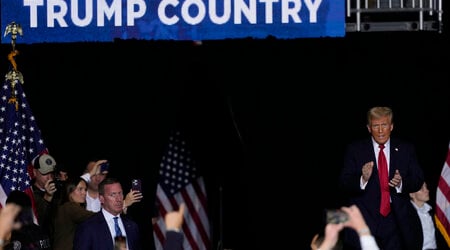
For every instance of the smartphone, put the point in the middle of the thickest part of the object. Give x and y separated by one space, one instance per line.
104 166
136 185
336 216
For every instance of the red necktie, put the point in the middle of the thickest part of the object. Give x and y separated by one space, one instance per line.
385 206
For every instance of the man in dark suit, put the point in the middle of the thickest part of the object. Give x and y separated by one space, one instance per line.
100 231
360 180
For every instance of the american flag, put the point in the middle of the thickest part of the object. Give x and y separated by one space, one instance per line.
20 140
442 215
180 182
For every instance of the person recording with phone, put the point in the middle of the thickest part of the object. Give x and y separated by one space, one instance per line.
95 172
44 191
347 217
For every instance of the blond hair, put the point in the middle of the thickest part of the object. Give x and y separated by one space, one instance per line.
378 112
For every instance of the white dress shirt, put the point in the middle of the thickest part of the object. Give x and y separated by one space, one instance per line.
428 230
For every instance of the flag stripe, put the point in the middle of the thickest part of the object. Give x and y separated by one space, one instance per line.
158 234
187 226
442 216
168 204
179 183
200 191
195 210
158 227
193 215
173 203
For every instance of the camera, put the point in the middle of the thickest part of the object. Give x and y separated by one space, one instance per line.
336 216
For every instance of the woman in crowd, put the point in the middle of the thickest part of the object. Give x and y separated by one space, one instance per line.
70 213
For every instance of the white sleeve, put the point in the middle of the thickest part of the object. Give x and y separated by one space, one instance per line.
86 177
368 242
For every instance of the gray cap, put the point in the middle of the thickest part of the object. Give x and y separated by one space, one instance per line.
45 164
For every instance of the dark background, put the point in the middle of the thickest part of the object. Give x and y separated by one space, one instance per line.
267 119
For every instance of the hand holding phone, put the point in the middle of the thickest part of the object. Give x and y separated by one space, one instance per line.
136 185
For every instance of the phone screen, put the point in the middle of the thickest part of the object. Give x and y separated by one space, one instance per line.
336 216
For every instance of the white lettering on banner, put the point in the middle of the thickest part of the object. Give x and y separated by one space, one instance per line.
115 9
33 10
52 7
87 17
133 15
57 11
313 8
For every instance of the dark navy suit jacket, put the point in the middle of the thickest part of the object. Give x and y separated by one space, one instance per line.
403 158
174 241
94 234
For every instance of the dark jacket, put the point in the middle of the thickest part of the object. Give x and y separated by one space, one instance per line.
94 234
174 241
29 237
403 158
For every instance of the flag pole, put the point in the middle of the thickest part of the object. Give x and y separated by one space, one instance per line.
20 136
13 76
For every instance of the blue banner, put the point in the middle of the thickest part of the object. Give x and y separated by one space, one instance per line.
45 21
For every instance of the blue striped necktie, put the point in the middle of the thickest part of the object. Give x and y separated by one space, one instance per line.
116 226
